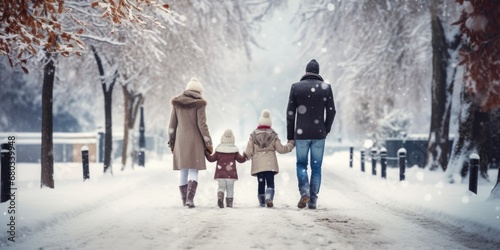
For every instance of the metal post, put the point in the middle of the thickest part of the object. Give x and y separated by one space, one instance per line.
142 140
374 161
85 162
362 160
351 155
474 169
5 173
402 163
383 162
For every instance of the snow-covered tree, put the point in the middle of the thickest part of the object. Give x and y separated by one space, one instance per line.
445 43
29 28
155 64
480 55
26 26
376 55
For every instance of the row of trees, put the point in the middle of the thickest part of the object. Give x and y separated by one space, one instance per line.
369 47
144 47
480 94
389 51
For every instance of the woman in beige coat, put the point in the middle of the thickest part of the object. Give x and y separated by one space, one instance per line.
261 148
189 138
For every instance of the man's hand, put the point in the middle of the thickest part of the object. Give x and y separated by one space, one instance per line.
292 142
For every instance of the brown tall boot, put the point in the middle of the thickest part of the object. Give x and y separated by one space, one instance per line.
220 199
229 202
183 190
191 191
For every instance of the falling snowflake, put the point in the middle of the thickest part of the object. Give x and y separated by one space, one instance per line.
302 109
330 7
299 131
465 199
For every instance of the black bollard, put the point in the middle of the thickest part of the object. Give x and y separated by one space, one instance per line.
85 163
402 163
351 155
5 173
374 161
383 162
100 150
362 160
474 169
142 140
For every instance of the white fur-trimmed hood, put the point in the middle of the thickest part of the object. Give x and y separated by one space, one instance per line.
226 148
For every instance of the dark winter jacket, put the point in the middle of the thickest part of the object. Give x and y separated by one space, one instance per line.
308 101
226 162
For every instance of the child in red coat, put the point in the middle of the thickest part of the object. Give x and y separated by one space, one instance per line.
226 154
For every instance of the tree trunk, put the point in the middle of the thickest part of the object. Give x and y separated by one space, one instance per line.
495 150
472 138
442 90
47 157
131 105
108 134
108 93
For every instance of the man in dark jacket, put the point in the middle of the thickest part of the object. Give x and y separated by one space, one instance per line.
309 101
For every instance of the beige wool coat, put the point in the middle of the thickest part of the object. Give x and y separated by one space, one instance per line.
188 131
262 147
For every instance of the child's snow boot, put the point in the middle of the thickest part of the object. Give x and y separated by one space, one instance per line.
229 202
220 199
262 200
269 197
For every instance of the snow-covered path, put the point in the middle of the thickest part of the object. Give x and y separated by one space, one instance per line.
141 209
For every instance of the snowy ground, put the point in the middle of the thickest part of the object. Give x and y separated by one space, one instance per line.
141 209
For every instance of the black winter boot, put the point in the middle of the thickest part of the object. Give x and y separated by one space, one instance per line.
312 202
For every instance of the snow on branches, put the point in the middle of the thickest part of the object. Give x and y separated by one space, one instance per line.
28 27
131 11
480 25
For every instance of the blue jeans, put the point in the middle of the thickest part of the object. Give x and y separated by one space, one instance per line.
316 147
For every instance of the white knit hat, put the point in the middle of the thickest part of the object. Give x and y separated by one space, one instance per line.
265 118
195 85
227 137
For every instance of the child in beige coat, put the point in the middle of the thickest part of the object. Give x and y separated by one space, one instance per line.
261 149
